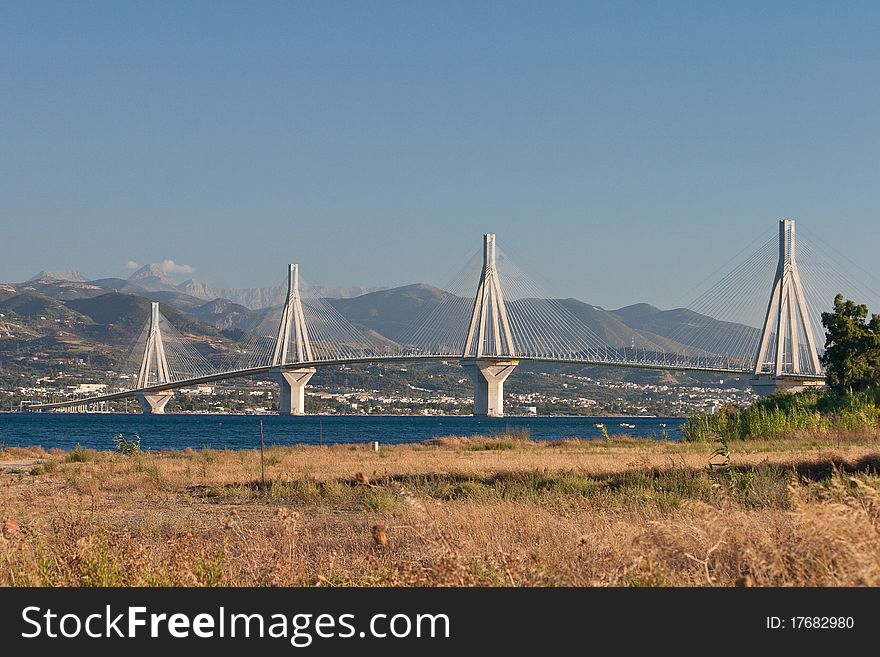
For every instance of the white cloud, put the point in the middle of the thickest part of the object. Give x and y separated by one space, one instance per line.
131 264
171 267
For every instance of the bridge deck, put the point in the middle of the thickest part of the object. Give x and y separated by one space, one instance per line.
270 369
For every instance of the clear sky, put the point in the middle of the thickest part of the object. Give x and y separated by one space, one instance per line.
619 150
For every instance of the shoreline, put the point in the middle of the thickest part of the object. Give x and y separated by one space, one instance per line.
362 415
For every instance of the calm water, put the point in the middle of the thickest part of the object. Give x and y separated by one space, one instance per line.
96 430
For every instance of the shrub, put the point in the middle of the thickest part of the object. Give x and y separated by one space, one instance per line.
377 499
469 490
45 467
128 446
80 455
765 486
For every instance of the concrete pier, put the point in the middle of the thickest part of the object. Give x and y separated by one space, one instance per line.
488 376
154 403
767 384
293 384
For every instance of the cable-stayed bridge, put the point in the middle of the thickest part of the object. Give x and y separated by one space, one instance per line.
760 319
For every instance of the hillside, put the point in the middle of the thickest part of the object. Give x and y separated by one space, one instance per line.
259 298
153 278
391 312
70 275
115 308
685 326
63 289
120 285
615 332
6 291
224 314
179 300
36 306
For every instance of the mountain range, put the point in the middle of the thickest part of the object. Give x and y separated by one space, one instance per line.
387 313
69 275
153 278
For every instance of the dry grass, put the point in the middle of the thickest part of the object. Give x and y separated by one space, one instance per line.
453 512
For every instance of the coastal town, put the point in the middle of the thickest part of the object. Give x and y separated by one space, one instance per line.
347 390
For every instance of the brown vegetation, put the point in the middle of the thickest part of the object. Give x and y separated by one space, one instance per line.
453 512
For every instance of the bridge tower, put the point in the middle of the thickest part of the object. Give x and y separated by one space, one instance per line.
787 354
489 353
154 368
292 346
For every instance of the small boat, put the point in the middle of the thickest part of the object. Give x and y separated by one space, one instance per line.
663 424
599 425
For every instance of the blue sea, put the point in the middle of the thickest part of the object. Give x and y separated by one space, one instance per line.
178 431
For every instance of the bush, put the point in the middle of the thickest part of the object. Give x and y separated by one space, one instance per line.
377 499
469 490
46 467
128 446
765 486
80 455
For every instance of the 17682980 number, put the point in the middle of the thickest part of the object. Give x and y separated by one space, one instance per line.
811 623
822 622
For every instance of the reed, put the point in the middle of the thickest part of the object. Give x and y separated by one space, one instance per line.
814 412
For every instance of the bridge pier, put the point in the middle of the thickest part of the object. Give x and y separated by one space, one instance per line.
767 384
488 376
154 403
293 384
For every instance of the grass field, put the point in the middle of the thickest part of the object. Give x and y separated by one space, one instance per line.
458 512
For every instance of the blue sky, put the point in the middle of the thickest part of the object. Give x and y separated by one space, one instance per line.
620 150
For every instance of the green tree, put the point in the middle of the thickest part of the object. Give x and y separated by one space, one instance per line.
852 346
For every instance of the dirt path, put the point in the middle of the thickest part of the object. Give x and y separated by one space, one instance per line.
18 467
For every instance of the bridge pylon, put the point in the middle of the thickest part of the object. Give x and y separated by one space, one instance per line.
787 358
292 346
489 352
154 368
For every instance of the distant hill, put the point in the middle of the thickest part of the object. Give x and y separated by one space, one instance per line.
119 285
614 331
6 291
70 275
179 300
35 306
686 326
257 298
115 308
254 298
391 312
224 314
61 289
153 278
197 289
